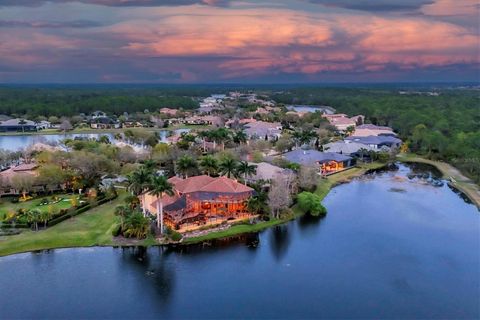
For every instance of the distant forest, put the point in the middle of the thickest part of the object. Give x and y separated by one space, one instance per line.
444 127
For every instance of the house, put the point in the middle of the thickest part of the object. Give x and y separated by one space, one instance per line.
327 162
42 125
104 123
377 142
263 130
233 123
366 130
204 120
98 114
342 122
267 172
8 176
14 125
201 200
349 148
169 111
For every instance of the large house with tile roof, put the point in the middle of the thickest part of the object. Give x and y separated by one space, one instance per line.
201 200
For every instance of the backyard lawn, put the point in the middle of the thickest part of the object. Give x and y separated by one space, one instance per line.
7 206
91 228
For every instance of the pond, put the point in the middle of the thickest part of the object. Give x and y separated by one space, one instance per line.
393 245
307 108
17 142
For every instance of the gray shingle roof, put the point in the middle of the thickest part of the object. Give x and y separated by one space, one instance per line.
375 140
310 157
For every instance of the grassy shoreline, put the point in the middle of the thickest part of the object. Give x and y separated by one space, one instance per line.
99 131
456 179
93 228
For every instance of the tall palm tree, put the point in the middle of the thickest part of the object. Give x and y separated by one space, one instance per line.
159 186
297 137
34 216
209 164
138 182
204 135
186 164
228 166
246 169
240 137
307 136
221 136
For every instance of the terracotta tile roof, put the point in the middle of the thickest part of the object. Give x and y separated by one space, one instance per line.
25 167
167 200
208 184
174 180
224 184
193 184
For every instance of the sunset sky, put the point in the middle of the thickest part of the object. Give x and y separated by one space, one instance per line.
222 41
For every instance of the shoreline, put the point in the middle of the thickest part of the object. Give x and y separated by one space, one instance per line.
49 132
455 178
106 240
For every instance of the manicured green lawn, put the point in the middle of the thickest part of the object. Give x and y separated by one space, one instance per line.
7 206
91 228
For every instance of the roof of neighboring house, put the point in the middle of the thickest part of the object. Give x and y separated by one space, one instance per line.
20 170
373 127
345 147
25 167
267 171
374 140
262 128
16 122
310 157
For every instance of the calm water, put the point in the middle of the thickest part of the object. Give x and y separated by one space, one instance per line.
16 142
305 108
390 247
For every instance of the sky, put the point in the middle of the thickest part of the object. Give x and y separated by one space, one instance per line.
223 41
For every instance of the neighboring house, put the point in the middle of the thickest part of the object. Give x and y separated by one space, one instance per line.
104 123
327 162
42 125
377 142
349 148
14 125
204 120
238 122
169 111
200 200
267 172
263 130
8 176
366 130
342 122
98 114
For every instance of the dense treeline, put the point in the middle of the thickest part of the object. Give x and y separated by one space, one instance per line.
33 102
444 127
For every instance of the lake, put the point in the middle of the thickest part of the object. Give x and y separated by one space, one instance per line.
17 142
392 246
313 109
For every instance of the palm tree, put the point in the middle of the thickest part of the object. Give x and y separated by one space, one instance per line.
209 164
307 136
246 170
204 135
122 212
221 136
297 137
186 164
159 186
45 216
228 166
33 216
137 183
240 137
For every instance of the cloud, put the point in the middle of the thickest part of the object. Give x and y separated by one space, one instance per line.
117 3
376 5
49 24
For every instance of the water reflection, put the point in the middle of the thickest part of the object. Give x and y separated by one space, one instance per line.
279 241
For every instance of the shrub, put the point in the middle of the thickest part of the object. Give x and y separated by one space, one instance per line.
174 235
116 230
311 203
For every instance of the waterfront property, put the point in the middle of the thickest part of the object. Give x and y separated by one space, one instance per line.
16 125
380 142
348 147
201 200
267 172
327 162
342 122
